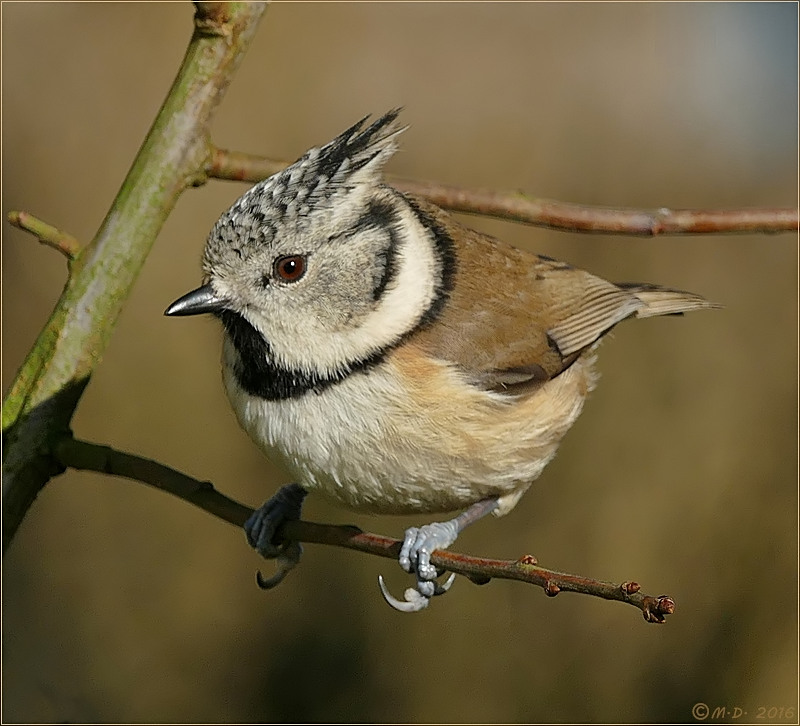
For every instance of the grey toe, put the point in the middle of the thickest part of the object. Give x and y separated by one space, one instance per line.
420 542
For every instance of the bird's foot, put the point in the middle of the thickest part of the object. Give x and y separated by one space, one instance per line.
415 558
263 524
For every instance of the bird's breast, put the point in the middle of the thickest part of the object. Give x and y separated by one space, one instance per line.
410 435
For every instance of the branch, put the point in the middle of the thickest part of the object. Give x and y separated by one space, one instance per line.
94 457
238 166
40 403
518 207
48 235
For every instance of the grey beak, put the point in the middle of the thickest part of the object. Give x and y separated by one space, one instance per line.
199 301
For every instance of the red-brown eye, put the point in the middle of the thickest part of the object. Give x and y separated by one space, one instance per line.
289 268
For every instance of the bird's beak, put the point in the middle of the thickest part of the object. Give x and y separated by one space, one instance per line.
199 301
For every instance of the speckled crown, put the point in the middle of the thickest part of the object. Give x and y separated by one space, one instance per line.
315 182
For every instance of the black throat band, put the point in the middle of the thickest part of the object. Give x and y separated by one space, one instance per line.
261 375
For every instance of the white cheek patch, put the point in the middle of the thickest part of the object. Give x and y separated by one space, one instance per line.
401 307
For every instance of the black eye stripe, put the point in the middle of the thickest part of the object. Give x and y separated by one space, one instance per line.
388 257
381 216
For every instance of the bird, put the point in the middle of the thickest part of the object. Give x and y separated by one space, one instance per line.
392 358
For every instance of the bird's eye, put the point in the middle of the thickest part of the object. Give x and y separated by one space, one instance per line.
289 268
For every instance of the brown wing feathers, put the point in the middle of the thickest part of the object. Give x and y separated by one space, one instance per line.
522 319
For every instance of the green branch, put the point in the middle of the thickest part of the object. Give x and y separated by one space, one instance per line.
48 235
43 397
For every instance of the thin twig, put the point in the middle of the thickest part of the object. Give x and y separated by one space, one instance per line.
570 217
517 207
94 457
48 235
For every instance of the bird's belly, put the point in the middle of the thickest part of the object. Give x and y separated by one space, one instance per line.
365 443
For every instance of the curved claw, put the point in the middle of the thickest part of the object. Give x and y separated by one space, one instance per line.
286 561
431 588
445 586
415 600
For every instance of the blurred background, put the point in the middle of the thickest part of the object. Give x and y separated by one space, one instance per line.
122 604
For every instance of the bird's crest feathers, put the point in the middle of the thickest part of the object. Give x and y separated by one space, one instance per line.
312 187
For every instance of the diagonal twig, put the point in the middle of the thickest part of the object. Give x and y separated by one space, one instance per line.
94 457
565 216
48 235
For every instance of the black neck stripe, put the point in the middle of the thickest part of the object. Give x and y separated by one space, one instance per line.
445 252
261 375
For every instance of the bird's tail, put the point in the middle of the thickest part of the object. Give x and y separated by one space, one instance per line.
664 300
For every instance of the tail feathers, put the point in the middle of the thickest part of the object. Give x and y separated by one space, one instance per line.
665 301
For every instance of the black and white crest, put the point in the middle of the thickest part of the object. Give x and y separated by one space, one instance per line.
317 181
326 168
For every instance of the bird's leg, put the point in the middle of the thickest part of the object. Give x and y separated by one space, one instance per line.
415 555
262 525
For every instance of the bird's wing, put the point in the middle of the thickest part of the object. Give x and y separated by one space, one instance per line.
514 319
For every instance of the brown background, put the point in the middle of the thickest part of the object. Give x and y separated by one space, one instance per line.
121 604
